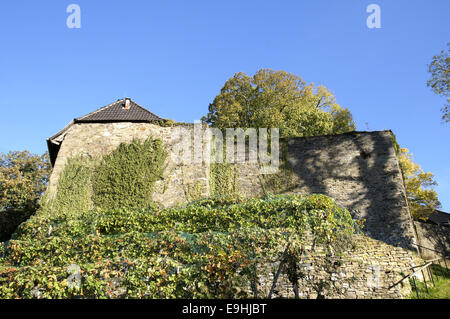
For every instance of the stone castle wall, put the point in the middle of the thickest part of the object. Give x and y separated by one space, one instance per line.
98 139
359 169
373 270
434 240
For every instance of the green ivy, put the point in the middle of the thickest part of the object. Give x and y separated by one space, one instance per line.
223 179
126 177
283 180
74 191
208 249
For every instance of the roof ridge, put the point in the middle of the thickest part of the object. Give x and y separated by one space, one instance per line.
143 108
98 110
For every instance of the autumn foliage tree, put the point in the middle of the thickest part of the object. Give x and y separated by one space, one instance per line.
423 200
23 179
280 100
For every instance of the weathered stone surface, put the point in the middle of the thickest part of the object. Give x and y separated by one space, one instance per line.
358 169
98 139
367 272
433 239
361 172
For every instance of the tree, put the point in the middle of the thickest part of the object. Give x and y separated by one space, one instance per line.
280 100
23 179
440 78
422 199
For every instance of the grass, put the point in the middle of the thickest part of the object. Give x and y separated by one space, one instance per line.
441 289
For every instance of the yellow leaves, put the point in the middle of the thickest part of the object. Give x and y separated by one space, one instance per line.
278 99
422 200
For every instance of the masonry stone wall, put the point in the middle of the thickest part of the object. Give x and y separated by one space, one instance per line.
371 270
434 240
98 139
359 170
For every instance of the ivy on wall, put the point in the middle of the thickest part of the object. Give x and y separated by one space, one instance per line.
223 179
126 177
283 180
74 192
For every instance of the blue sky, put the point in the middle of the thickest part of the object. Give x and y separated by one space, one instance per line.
174 56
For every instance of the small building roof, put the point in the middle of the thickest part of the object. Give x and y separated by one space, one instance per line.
439 218
120 112
123 110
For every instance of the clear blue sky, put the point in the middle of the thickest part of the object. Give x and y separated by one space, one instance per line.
174 56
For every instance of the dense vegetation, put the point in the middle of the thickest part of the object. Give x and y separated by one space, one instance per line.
23 178
278 99
125 177
209 248
101 236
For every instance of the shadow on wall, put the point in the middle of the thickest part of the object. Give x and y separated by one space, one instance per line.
434 239
359 170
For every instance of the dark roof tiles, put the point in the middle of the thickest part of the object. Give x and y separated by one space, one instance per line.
116 112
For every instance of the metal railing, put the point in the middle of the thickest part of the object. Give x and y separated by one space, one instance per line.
426 270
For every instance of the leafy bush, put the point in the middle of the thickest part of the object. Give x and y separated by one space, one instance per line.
209 248
23 178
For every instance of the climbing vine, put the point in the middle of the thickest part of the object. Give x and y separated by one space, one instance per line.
281 181
211 248
223 179
126 177
74 191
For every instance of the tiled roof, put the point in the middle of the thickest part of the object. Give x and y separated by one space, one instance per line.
439 218
116 112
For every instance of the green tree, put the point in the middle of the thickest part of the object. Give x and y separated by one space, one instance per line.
281 100
440 78
23 179
423 200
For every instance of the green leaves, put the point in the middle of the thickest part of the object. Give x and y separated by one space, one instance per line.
422 198
278 99
23 179
74 192
210 248
439 81
125 178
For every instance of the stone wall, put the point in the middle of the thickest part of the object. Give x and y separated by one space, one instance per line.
98 139
359 169
369 271
433 239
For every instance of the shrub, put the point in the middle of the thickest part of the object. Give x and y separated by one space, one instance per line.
209 248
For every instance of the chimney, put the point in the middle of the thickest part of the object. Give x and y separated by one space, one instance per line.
127 103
